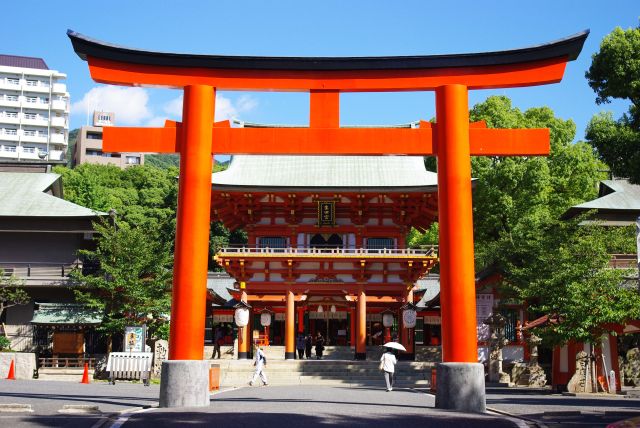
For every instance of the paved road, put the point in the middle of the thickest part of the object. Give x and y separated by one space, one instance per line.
316 406
306 406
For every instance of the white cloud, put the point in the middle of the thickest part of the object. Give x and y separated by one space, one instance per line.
130 105
225 108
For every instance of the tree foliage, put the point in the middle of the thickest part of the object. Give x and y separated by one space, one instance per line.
12 292
615 73
132 283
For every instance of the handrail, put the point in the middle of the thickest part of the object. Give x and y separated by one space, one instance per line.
314 251
39 269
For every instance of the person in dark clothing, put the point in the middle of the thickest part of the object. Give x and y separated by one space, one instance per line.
319 345
300 345
308 344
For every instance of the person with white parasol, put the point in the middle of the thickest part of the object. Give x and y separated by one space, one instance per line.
388 362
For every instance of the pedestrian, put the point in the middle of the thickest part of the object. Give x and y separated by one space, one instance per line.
260 363
308 344
218 340
387 365
300 344
319 345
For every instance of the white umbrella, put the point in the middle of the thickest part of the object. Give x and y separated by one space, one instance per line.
395 345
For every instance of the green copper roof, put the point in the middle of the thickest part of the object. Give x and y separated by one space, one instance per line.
24 195
357 173
618 204
65 313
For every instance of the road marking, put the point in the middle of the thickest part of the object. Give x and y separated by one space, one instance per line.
125 417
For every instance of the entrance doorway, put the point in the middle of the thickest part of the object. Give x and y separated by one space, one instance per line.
323 241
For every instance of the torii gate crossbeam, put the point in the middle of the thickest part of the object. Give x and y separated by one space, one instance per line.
452 139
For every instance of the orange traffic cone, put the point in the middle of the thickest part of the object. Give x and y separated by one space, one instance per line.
12 374
85 375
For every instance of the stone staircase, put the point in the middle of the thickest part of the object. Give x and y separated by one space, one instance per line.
409 374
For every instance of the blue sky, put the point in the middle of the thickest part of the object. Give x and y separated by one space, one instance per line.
312 28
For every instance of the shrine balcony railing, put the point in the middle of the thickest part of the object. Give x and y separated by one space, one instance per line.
38 269
430 252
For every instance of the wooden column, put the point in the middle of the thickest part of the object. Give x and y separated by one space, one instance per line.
300 320
186 338
457 292
289 328
361 339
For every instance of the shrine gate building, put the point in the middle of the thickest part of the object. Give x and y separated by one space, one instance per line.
326 243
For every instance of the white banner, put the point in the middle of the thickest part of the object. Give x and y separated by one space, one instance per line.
432 319
217 318
484 308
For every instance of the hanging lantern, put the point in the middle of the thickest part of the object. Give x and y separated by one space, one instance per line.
333 309
320 309
409 315
241 316
265 319
387 319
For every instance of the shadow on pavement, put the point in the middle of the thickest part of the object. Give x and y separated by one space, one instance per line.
165 418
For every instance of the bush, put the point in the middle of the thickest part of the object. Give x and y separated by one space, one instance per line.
5 344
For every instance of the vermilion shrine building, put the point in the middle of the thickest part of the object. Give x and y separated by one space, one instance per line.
331 230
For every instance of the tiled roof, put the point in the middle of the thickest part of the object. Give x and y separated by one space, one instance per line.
23 195
359 173
616 197
219 283
23 62
65 313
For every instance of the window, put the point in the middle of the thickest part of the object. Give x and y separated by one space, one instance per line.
31 116
29 133
28 149
92 152
272 242
13 81
380 243
94 136
32 83
32 99
419 331
133 160
13 114
9 148
11 131
11 97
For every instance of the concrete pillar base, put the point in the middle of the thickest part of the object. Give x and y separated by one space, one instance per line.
184 383
361 355
460 386
243 355
289 355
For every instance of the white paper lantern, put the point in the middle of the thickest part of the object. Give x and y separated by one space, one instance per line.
387 319
320 309
333 309
265 319
409 318
241 316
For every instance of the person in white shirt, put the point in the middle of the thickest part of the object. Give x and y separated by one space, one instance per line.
387 364
260 363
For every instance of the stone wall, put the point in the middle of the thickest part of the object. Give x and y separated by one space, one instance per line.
25 364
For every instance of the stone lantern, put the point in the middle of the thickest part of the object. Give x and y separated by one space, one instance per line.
497 341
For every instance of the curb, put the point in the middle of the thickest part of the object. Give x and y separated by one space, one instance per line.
521 421
15 408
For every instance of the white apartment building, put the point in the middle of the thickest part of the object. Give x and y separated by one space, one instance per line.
34 110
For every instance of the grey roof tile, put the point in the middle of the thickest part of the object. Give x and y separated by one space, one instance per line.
23 62
23 195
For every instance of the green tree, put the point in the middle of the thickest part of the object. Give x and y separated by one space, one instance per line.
615 73
556 266
132 284
12 292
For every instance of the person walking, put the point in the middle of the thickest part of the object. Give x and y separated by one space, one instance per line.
308 344
260 363
319 345
218 340
387 365
300 343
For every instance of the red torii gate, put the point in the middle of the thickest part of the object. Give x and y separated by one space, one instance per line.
452 139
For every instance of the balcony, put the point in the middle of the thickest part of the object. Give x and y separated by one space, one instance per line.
59 121
60 105
59 88
8 136
36 86
353 253
9 119
36 121
58 139
37 137
10 84
40 273
9 101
